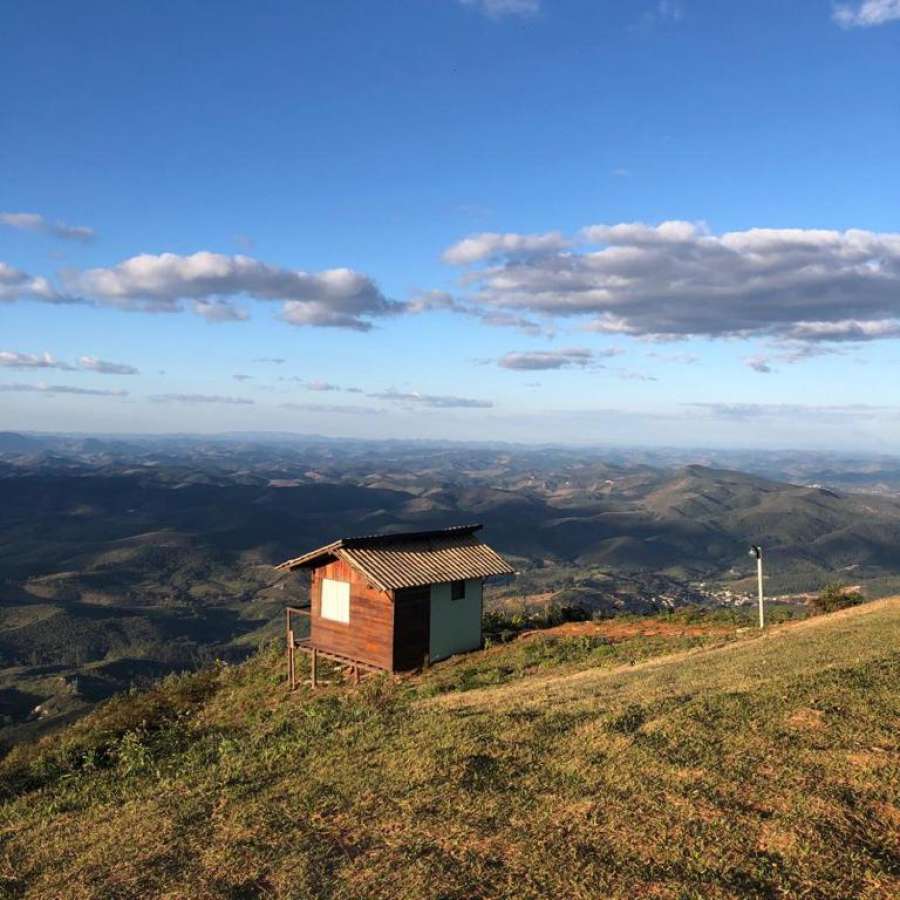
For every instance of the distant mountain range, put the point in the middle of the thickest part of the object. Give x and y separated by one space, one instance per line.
122 559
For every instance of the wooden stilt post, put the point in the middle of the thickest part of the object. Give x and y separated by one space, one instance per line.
356 674
289 638
315 659
293 660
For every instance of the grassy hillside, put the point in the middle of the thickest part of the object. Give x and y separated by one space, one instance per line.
639 758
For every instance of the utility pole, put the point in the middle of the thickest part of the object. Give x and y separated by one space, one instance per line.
756 550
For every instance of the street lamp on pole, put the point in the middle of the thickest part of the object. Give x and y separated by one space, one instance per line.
756 550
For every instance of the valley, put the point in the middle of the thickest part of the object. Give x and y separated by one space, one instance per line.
123 560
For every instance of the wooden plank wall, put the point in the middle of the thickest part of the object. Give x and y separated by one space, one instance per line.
369 637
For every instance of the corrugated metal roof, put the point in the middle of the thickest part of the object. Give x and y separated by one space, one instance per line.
411 559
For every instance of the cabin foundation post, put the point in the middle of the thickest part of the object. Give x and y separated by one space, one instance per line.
289 634
292 670
315 659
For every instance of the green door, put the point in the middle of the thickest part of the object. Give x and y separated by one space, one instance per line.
455 621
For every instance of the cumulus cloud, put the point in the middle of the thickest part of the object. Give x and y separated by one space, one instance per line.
845 330
867 13
678 279
433 400
201 399
61 389
18 285
216 311
338 298
535 360
497 9
38 223
490 245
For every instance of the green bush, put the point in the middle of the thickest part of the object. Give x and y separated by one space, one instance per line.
503 627
837 596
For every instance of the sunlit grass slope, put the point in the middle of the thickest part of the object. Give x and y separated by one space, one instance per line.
692 762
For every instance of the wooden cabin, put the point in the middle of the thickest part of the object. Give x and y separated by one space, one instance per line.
395 602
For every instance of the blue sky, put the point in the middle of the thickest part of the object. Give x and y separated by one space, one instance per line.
448 219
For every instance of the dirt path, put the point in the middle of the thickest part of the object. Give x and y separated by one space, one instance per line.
622 631
756 653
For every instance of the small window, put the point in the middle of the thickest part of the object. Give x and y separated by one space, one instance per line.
336 600
457 590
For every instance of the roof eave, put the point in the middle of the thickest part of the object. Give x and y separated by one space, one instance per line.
320 557
309 560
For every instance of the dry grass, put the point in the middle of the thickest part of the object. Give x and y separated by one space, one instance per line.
765 767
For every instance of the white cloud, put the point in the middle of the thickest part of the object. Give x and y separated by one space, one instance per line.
496 9
537 360
759 363
38 223
61 389
13 360
338 298
433 400
441 301
490 245
241 377
678 279
18 285
791 352
846 330
867 13
91 363
201 399
216 311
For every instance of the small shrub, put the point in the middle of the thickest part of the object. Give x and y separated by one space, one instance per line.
837 596
132 753
503 627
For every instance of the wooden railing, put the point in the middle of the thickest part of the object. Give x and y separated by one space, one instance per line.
291 641
305 646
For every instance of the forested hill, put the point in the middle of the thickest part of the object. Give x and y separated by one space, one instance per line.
122 561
